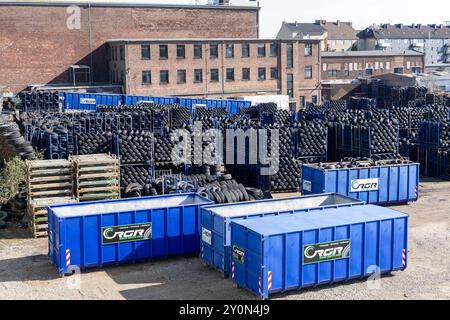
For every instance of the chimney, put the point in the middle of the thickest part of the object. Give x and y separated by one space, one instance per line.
318 22
413 26
338 23
400 25
419 26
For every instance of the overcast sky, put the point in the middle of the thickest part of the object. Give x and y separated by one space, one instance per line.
361 12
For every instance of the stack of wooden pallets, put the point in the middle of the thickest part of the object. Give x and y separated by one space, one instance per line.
96 177
48 182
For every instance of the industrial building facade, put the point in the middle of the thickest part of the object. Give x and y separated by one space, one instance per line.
40 41
218 68
341 72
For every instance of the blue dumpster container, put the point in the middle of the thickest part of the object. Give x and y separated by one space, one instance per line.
291 252
215 221
94 234
382 185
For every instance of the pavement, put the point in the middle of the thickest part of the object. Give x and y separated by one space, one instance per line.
26 271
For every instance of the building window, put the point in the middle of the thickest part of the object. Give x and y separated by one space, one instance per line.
246 74
164 76
273 49
416 70
198 75
181 51
230 74
314 99
369 72
290 85
146 77
163 51
198 53
181 76
302 102
388 65
122 52
332 73
245 50
213 50
214 75
261 74
122 77
273 73
229 50
261 50
145 52
398 70
290 55
308 72
308 49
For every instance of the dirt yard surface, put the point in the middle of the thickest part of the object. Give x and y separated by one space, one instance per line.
26 272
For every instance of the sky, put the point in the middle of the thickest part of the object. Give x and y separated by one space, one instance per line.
362 13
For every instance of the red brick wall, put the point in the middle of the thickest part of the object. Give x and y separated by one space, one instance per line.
37 47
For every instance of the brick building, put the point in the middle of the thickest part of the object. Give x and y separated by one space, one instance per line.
39 41
341 70
217 68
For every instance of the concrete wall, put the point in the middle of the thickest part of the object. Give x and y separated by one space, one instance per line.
36 45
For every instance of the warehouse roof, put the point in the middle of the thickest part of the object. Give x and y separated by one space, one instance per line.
104 3
400 31
371 53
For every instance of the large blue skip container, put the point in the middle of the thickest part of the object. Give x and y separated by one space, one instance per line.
75 101
215 221
382 185
291 252
94 234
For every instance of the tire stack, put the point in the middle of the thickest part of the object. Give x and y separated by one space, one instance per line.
91 143
11 140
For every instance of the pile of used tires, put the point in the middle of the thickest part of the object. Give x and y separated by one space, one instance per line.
219 188
11 137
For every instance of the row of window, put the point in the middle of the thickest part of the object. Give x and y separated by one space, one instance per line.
213 51
213 75
369 72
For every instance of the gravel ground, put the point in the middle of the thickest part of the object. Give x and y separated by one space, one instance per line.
26 272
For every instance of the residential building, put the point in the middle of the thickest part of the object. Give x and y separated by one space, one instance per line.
218 68
334 35
433 40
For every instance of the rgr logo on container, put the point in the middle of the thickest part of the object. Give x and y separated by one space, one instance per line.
327 251
364 185
135 232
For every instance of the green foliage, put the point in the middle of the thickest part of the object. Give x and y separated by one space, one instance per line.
354 47
12 177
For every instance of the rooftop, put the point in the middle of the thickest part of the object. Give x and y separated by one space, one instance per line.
336 30
401 31
147 40
372 53
241 5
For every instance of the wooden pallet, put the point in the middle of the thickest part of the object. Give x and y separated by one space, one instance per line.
96 177
49 178
38 214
